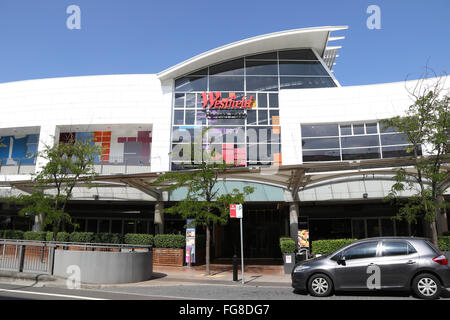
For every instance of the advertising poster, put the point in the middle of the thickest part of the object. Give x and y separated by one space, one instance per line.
190 242
303 238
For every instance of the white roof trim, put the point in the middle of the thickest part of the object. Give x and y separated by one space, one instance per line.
315 37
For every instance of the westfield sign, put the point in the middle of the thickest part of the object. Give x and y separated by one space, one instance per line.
215 101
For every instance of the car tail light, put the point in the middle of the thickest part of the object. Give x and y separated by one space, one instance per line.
441 260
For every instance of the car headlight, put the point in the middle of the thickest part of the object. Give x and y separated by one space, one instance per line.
301 268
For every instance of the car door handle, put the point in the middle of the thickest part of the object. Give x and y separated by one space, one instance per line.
410 262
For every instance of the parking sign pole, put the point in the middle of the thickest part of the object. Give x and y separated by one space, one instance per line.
242 251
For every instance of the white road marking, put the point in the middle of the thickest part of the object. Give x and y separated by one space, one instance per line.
50 294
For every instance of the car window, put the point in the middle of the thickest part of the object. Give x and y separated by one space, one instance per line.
360 251
394 248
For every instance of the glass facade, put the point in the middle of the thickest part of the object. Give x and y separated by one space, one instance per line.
240 136
354 141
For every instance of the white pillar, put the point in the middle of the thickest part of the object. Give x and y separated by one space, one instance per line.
159 217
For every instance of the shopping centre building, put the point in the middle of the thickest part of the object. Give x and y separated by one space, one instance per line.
316 153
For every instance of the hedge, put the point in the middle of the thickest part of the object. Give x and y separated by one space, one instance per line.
329 246
138 238
287 245
170 241
13 234
35 235
444 243
84 237
105 237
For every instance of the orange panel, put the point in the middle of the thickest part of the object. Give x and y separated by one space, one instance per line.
275 119
276 130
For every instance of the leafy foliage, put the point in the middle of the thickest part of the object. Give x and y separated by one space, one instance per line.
173 241
426 128
287 245
329 246
65 163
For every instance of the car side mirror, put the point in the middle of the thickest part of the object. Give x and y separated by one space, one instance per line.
341 260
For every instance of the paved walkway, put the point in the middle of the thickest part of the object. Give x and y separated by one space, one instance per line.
220 274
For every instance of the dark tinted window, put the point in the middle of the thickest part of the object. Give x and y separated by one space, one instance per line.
234 67
305 82
363 153
226 83
263 56
321 155
396 138
302 54
320 143
361 251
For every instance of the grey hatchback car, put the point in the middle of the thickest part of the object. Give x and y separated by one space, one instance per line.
397 263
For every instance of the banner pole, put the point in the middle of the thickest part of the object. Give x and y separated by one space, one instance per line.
242 252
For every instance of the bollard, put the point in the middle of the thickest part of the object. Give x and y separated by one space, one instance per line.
235 268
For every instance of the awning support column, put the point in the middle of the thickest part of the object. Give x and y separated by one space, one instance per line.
293 220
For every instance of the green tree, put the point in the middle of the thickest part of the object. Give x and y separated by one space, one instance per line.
53 185
203 202
426 128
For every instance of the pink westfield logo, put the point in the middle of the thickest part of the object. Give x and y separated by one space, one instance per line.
215 101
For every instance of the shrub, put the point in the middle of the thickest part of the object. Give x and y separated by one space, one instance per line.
63 237
444 243
105 237
138 238
35 235
446 233
170 241
287 245
329 246
13 234
84 237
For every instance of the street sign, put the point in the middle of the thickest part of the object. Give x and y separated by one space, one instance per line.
236 211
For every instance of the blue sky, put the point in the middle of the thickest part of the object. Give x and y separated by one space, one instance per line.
146 36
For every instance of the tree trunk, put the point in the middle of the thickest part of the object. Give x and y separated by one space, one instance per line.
434 236
441 217
208 236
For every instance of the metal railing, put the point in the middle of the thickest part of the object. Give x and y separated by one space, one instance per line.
17 166
38 256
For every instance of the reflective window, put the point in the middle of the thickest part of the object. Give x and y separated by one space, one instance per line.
300 68
179 100
305 82
384 128
188 84
321 155
360 141
394 248
259 83
178 117
346 130
230 68
358 129
362 153
362 251
391 139
320 130
273 100
371 128
320 143
261 68
190 117
226 83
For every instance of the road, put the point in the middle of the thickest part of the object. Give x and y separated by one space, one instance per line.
170 291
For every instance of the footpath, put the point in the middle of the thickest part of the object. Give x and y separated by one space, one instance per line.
164 275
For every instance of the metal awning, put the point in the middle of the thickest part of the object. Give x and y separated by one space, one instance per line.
292 178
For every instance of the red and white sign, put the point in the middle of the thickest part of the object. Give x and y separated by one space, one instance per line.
236 211
215 101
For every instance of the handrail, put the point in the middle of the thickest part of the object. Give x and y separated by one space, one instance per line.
75 244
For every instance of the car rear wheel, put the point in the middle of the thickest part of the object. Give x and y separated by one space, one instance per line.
427 286
320 285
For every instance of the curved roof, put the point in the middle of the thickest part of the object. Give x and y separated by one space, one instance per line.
316 38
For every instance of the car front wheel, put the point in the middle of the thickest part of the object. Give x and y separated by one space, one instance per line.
427 286
320 285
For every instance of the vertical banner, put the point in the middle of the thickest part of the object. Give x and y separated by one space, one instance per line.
303 238
190 241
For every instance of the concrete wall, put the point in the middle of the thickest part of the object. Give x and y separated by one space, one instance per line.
105 267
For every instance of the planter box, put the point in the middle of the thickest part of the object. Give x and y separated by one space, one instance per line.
289 262
168 257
